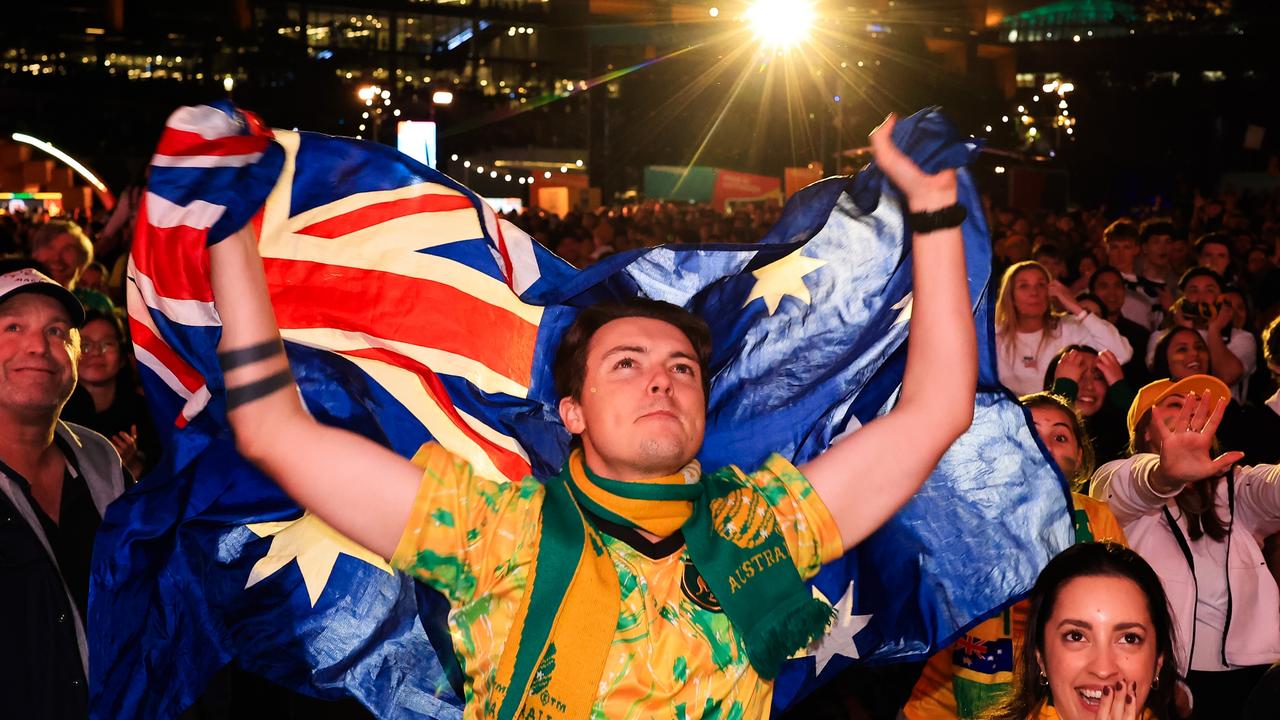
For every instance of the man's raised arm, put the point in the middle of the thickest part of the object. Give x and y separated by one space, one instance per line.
362 489
866 477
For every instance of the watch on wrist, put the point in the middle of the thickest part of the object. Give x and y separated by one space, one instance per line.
934 220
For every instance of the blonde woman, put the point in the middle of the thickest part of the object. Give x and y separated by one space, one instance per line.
1029 332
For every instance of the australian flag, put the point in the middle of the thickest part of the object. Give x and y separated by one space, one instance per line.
411 312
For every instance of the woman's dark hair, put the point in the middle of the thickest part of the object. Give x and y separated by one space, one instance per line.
570 367
1089 560
1200 271
1102 270
1053 364
1160 363
111 319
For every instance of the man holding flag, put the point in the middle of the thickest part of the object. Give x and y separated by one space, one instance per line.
632 582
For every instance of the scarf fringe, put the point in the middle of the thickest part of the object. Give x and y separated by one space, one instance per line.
786 630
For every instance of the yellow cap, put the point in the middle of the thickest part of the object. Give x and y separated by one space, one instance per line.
1206 386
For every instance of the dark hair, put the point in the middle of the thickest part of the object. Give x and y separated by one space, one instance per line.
1104 559
1160 363
1153 227
1120 230
1093 299
111 319
1199 271
570 367
1047 249
1213 238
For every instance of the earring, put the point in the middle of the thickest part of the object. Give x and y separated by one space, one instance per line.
1155 682
1044 679
593 391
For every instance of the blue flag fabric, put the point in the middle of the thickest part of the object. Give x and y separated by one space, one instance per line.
206 561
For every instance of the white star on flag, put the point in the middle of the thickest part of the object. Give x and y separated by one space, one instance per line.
315 546
784 276
903 307
839 637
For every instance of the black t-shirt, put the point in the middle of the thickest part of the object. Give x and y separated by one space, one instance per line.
41 675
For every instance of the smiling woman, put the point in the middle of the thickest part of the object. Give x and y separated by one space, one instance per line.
1101 641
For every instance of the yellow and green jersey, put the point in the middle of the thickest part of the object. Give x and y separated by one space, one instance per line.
674 653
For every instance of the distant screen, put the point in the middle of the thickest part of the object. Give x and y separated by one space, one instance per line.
506 204
417 140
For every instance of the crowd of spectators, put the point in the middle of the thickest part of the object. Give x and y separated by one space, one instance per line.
1092 307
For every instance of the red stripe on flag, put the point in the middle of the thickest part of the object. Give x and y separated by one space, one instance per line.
510 464
371 215
182 142
176 259
143 337
405 309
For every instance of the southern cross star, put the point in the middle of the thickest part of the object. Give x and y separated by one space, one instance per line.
784 276
839 637
315 546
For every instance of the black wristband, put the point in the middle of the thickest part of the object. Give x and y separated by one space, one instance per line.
258 389
933 220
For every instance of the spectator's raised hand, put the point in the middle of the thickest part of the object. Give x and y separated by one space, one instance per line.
1219 317
1073 365
1186 446
1109 365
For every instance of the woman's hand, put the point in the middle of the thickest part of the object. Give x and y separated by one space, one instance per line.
1109 365
126 443
1066 300
1072 366
1219 319
1119 701
1185 449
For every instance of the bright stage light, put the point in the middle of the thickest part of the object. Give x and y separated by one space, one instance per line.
780 23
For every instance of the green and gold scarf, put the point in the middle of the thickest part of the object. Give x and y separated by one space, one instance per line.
553 661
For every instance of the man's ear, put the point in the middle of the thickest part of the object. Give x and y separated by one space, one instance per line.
571 415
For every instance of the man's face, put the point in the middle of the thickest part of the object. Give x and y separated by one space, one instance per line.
64 256
1215 257
38 353
643 411
1121 252
1156 251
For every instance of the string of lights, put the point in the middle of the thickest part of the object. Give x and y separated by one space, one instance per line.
511 175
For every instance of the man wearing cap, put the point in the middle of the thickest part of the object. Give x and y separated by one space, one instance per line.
56 480
1197 519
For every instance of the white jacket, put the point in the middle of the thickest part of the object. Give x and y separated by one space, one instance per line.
1250 502
1022 362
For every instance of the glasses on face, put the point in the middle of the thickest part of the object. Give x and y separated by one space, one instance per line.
89 347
